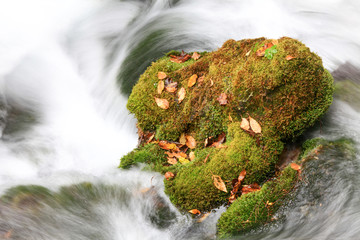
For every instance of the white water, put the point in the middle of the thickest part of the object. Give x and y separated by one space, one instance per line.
59 61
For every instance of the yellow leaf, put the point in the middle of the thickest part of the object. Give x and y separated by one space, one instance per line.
181 94
195 56
192 156
182 139
219 183
192 80
245 125
194 211
162 103
161 75
255 126
190 142
183 160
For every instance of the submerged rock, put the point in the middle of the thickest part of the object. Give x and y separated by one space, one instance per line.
278 85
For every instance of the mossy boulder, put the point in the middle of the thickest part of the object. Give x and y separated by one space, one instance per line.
284 95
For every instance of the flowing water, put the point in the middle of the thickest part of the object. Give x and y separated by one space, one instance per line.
66 69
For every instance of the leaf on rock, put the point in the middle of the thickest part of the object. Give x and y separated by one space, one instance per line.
162 103
242 175
183 57
222 99
160 87
195 56
219 183
172 160
190 142
192 156
245 125
255 126
192 80
161 75
168 175
172 87
203 217
295 166
181 94
261 51
194 211
288 57
183 160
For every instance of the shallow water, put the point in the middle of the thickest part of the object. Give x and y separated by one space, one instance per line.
66 68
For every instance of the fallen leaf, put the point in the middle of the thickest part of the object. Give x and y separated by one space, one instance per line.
150 138
194 211
232 198
245 125
288 57
255 126
168 175
295 166
162 103
183 57
222 99
248 53
182 139
168 146
203 217
206 158
195 56
181 94
241 175
190 142
211 82
250 188
201 79
219 141
219 183
269 203
274 41
192 80
206 142
192 156
261 51
160 87
161 75
172 160
230 118
183 160
172 87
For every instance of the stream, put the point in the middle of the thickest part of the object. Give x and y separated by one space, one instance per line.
66 70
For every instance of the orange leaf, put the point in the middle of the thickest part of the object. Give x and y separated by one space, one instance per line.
219 183
230 118
181 94
180 59
206 158
194 211
255 126
261 51
169 175
245 125
171 87
242 175
203 217
295 166
288 57
222 99
195 56
190 142
250 188
168 146
192 80
160 87
172 160
150 138
192 156
162 103
161 75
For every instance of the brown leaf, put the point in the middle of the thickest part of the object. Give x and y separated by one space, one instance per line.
162 103
219 183
295 166
168 175
211 82
245 125
274 41
242 175
168 146
170 154
190 142
161 75
288 57
182 139
160 87
219 141
250 188
150 138
230 118
222 99
201 79
203 217
180 59
195 56
172 160
191 156
255 126
180 155
261 51
181 94
232 198
206 158
172 87
194 211
192 80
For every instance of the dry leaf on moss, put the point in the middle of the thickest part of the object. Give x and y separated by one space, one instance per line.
250 188
183 57
192 156
168 175
222 99
183 160
162 103
219 183
190 142
288 57
195 56
181 94
182 139
295 166
160 87
192 80
172 87
161 75
245 125
172 160
261 51
242 175
168 146
255 126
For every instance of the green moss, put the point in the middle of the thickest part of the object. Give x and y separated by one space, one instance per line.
254 209
349 92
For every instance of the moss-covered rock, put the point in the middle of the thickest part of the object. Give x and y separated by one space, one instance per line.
284 96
